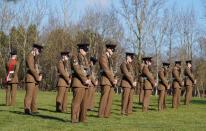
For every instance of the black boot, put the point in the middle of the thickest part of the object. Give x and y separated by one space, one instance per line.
27 111
58 107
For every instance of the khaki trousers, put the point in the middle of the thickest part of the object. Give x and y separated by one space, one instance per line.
91 97
61 99
30 100
188 95
127 101
106 101
146 99
162 99
141 93
176 98
79 105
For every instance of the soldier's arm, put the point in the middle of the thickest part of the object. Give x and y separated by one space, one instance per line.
16 69
162 78
141 68
177 77
149 75
189 74
62 71
125 72
93 80
107 71
78 70
30 64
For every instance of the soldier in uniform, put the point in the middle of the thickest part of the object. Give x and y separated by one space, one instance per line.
33 77
163 85
189 82
128 84
12 68
177 84
141 82
107 81
80 83
63 83
92 89
149 83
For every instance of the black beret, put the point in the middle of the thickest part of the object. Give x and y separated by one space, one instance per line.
178 62
110 44
38 46
130 54
65 53
83 46
165 64
13 52
188 61
147 58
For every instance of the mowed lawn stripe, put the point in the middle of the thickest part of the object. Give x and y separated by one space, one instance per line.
186 118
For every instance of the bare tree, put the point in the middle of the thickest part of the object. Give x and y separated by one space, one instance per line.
137 15
188 32
158 34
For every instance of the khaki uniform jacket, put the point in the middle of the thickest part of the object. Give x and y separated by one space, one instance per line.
141 79
107 75
163 79
79 64
149 81
128 75
177 81
64 76
189 77
92 76
15 79
32 72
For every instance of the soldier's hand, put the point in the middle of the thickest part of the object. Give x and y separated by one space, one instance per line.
69 81
88 82
155 85
195 82
96 83
168 87
182 84
40 78
115 82
134 84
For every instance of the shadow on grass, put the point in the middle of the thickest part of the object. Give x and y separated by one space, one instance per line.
41 116
2 104
95 111
137 107
116 113
118 101
116 109
152 109
117 104
153 105
198 101
43 109
17 112
3 110
94 116
53 111
49 117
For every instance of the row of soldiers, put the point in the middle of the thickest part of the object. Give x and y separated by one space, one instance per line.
83 82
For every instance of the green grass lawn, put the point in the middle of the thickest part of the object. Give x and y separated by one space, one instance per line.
183 119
